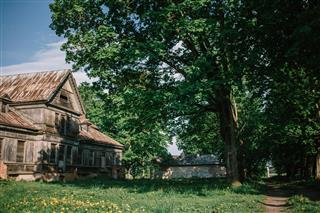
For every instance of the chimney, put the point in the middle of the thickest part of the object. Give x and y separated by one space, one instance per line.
4 103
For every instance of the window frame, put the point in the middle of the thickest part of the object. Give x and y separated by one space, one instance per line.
20 159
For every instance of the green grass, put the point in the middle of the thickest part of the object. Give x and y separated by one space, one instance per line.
129 196
307 196
299 203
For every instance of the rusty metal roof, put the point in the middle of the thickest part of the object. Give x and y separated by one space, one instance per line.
93 134
14 119
37 87
32 87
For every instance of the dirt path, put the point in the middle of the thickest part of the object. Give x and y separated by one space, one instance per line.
279 193
276 199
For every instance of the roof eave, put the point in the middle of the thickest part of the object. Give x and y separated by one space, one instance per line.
20 129
102 143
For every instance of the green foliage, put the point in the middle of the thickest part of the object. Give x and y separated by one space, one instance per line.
299 203
163 60
285 75
129 196
254 147
180 69
198 134
144 142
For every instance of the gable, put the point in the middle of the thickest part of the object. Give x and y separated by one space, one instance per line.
31 87
67 96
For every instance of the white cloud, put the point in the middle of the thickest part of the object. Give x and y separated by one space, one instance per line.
47 59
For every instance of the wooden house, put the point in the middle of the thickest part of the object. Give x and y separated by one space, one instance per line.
44 130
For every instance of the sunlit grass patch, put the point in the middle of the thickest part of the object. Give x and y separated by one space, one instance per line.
129 196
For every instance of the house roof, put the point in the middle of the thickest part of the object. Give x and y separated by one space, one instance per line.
93 134
42 87
32 87
13 119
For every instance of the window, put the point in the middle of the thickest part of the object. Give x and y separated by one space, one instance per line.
69 150
103 160
63 124
64 97
68 124
86 157
53 153
20 151
1 142
97 159
79 160
109 158
61 153
56 121
91 155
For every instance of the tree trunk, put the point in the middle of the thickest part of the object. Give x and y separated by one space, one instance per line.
242 161
228 126
317 140
309 167
318 166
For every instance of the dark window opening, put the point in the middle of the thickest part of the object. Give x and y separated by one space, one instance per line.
63 124
20 151
109 158
86 157
69 151
91 155
97 159
68 124
79 160
56 120
64 98
53 153
61 153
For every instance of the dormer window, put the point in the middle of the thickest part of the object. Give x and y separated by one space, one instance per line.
64 98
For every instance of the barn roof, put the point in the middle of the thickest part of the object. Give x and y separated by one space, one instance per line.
92 133
32 87
13 119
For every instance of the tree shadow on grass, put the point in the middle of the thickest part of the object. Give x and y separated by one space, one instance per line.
199 187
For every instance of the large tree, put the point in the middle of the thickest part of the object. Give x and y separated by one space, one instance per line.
192 49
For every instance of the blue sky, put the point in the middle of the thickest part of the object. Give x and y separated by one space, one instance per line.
25 29
27 44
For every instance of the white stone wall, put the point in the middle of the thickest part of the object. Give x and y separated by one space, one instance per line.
202 171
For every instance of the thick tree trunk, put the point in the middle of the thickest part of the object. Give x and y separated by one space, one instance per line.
309 167
228 128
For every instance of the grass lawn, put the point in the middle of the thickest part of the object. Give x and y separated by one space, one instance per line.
300 203
306 196
99 195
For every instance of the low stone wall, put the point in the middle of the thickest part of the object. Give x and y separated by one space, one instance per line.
199 171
